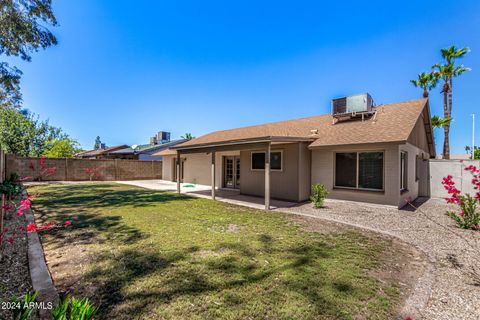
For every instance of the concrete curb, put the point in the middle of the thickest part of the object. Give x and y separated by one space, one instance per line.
41 279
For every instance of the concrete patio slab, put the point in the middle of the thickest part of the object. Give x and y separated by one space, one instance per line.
202 191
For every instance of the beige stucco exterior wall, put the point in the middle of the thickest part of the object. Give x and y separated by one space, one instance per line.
323 171
197 167
412 183
167 168
418 137
304 171
291 183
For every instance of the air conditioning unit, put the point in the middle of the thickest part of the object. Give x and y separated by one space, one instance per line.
163 136
352 105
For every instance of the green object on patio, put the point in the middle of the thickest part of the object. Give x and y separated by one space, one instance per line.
189 186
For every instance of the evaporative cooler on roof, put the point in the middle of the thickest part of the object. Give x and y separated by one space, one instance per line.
353 106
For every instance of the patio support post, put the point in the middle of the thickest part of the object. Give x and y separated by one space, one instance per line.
213 175
178 171
267 177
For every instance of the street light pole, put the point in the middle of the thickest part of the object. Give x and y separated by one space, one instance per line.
473 136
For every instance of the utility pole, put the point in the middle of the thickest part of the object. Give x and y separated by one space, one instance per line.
473 136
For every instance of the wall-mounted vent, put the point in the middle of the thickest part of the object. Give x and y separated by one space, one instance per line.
353 106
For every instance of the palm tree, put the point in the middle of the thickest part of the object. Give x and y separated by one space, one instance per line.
447 72
450 54
187 136
439 122
427 81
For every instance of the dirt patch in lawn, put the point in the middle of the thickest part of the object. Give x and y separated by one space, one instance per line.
401 264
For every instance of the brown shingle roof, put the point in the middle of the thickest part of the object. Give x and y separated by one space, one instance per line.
97 152
392 123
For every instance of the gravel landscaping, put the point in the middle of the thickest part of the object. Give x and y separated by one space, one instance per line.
15 275
447 289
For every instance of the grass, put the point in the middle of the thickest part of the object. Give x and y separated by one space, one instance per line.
149 254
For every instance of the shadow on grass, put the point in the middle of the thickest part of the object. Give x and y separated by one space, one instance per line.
135 281
88 228
104 195
174 275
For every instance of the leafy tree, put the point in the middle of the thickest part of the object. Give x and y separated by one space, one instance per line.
22 133
447 71
22 31
98 143
427 81
62 148
187 136
476 154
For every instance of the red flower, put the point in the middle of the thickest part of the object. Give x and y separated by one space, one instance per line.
10 240
32 227
20 213
25 178
68 223
42 161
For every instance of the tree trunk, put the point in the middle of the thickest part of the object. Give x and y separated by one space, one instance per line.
425 93
450 98
446 128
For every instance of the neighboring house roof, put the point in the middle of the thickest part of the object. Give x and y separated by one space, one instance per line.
97 152
391 123
148 148
166 152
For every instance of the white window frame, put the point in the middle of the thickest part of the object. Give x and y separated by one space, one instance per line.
403 171
357 178
272 151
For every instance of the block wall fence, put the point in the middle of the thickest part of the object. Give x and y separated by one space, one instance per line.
72 169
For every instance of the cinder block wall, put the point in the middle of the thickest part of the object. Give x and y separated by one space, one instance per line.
71 169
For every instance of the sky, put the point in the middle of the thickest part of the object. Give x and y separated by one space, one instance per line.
124 70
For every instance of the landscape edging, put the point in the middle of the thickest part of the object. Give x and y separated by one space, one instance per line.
39 274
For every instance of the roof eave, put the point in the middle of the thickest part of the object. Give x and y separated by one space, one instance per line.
243 141
355 144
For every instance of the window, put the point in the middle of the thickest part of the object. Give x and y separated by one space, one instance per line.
258 160
346 170
359 170
403 171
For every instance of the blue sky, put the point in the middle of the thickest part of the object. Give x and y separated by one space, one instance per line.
124 70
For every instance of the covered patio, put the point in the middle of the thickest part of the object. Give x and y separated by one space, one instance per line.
261 145
203 191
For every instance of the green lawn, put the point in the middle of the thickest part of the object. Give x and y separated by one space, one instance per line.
145 254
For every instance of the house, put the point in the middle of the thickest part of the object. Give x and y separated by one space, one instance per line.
101 153
375 154
159 142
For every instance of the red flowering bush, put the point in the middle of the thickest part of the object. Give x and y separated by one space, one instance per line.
468 215
12 188
93 172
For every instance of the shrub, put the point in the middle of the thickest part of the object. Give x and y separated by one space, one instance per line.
468 216
319 194
74 309
11 187
23 309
